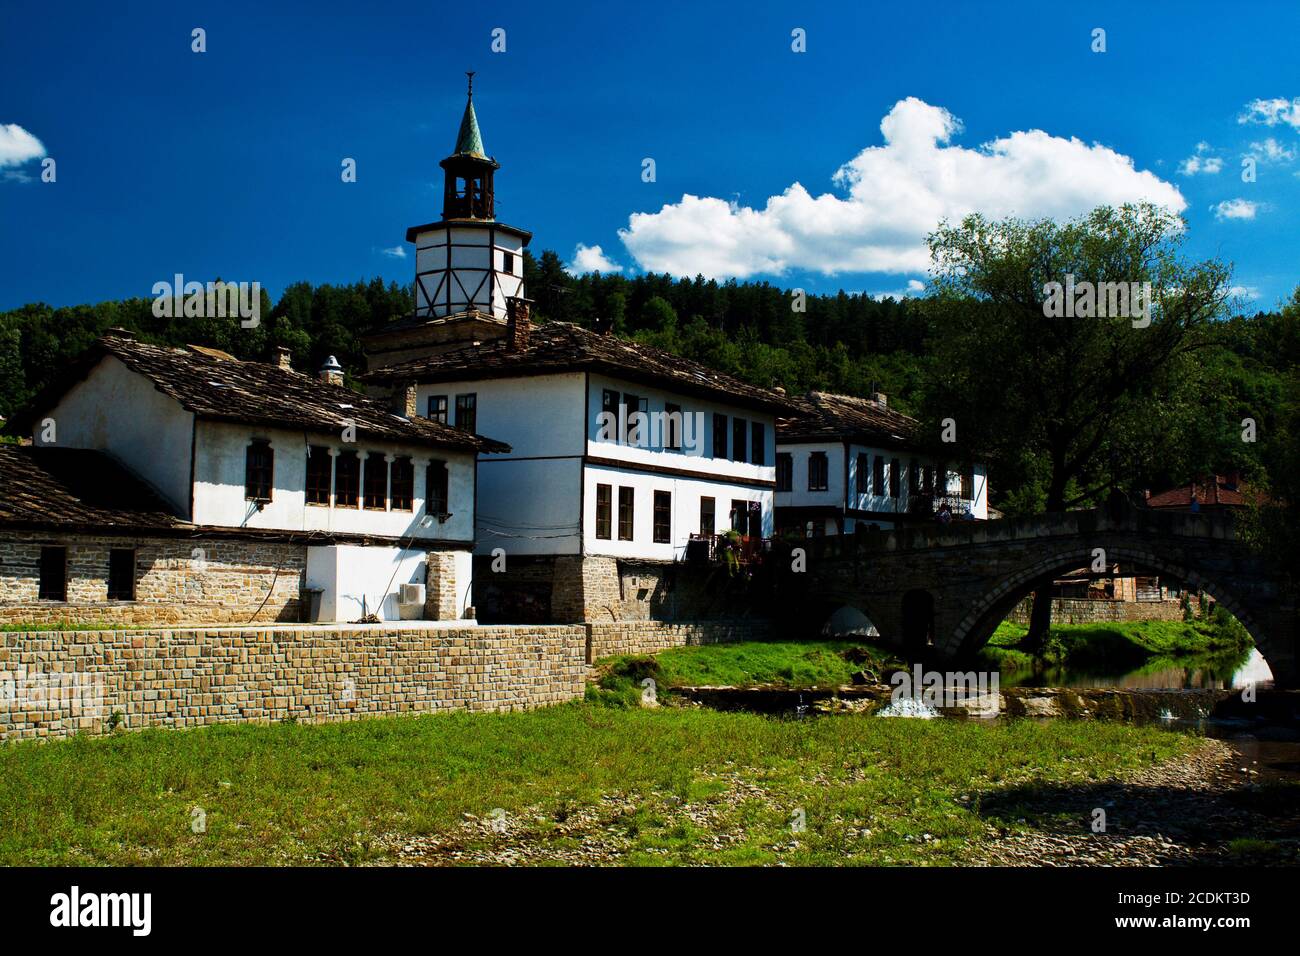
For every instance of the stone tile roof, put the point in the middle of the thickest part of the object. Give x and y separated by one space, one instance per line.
822 416
563 346
1212 491
218 387
76 488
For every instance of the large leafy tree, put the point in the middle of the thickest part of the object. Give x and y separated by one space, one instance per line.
1067 405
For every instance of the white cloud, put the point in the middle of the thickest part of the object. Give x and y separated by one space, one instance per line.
1271 151
395 252
1199 162
896 194
1236 209
1244 292
1272 112
591 259
17 146
914 288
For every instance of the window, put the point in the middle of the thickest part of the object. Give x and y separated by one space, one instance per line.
467 412
376 481
403 484
604 511
719 436
757 444
895 478
914 480
968 483
634 434
663 514
672 427
860 484
508 262
739 429
625 505
435 494
258 470
784 471
121 574
878 475
54 574
608 408
347 479
318 475
747 517
438 408
818 471
707 509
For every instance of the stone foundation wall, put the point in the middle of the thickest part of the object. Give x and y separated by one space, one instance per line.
650 637
1079 611
178 581
53 684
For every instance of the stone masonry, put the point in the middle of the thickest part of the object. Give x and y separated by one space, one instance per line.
605 639
178 580
440 594
55 684
1080 611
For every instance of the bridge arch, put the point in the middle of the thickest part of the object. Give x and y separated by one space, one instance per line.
978 625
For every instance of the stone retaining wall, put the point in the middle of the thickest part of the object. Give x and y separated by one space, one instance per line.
607 639
1080 611
55 683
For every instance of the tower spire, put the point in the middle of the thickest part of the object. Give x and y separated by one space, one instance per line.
469 140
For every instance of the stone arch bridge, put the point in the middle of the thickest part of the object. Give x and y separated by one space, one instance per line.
945 588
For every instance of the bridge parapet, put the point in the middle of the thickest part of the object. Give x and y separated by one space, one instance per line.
1052 524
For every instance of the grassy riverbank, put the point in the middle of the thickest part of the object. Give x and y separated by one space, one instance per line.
1118 647
576 783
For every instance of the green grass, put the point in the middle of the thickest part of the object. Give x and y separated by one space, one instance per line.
1120 647
747 663
66 626
870 789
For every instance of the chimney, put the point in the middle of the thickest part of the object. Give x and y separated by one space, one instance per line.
120 333
331 373
283 358
401 401
881 399
519 323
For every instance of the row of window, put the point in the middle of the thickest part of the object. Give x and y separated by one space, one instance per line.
871 474
53 583
347 480
748 439
746 516
466 411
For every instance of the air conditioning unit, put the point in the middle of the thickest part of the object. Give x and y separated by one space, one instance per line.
410 594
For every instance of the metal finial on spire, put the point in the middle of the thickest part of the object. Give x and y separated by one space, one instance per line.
470 74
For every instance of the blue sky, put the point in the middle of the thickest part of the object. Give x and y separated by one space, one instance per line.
227 163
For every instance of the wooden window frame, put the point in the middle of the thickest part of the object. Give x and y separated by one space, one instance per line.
819 471
757 443
604 512
711 527
340 471
662 518
366 495
626 513
862 475
436 407
311 489
739 438
437 489
407 487
784 471
252 471
467 408
720 426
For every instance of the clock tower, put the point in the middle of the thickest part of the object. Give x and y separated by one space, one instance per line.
468 265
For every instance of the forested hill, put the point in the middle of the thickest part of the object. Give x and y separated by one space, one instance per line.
847 343
850 343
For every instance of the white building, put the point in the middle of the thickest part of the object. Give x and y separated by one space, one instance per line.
361 506
844 462
619 452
